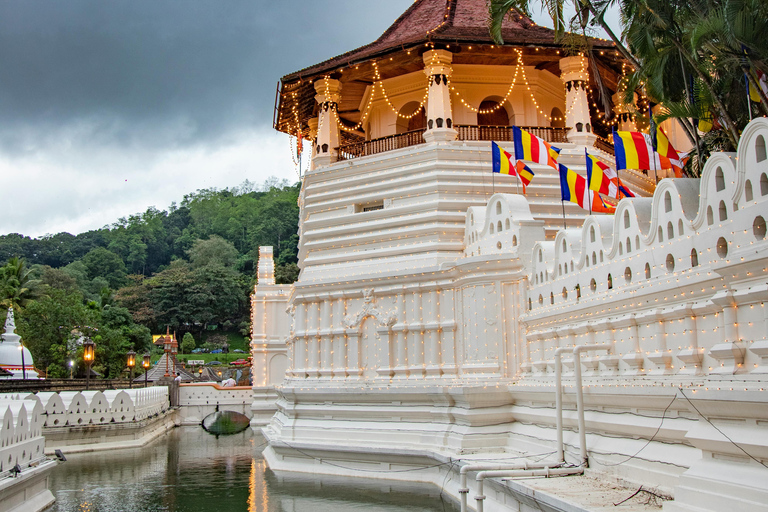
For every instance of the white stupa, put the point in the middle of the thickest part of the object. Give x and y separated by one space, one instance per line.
14 357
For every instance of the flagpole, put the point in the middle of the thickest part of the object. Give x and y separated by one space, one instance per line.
563 205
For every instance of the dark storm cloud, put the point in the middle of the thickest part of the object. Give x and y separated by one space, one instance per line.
161 73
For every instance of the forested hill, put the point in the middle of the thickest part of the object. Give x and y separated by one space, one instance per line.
189 268
246 216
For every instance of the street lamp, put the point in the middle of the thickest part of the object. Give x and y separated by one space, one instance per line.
167 350
200 372
71 368
131 363
88 355
145 363
23 365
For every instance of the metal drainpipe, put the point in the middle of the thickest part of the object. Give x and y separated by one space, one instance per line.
464 490
583 459
559 400
547 472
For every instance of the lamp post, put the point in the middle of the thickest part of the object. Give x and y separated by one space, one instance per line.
174 351
23 365
88 354
145 363
131 363
71 369
200 373
167 352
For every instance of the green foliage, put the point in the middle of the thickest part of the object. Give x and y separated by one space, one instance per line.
214 251
188 343
187 268
17 287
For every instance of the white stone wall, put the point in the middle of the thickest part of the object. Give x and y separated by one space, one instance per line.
21 439
81 408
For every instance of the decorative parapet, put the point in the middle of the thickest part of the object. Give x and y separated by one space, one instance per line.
80 408
689 264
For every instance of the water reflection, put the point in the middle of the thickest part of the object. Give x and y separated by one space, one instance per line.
188 470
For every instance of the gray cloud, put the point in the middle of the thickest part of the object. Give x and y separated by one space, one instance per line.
142 68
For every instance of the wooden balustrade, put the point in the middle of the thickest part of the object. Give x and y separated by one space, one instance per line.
504 133
604 145
466 132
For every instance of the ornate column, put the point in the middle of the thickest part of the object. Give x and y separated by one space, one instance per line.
437 66
625 113
575 76
328 92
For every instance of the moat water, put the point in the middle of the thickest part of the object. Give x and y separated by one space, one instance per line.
189 470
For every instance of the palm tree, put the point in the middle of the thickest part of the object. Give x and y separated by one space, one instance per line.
17 287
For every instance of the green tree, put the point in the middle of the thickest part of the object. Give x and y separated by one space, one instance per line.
101 262
214 251
187 343
47 326
17 287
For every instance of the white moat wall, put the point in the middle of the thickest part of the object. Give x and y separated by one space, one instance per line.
419 332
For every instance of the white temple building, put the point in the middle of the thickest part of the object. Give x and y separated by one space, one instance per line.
442 320
15 358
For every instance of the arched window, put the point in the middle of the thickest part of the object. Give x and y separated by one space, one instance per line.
564 247
723 211
494 113
565 293
498 208
647 271
411 118
626 219
667 202
592 233
498 226
748 191
593 285
506 224
610 282
670 231
541 255
628 275
629 246
621 249
637 242
710 216
694 258
670 263
661 234
594 258
763 185
722 247
551 297
719 179
556 118
491 228
760 152
680 227
541 299
758 228
514 240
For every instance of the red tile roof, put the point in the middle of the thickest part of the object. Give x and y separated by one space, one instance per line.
442 21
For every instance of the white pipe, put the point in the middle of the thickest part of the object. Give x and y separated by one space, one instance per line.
583 459
559 400
464 490
546 471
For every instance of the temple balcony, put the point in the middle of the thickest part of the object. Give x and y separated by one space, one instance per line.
355 147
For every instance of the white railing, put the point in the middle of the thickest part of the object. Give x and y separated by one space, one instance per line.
21 439
75 408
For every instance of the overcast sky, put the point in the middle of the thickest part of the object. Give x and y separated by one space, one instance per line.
108 107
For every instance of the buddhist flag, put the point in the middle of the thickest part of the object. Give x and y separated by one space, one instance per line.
624 191
667 152
524 173
502 161
601 178
574 188
530 147
599 206
634 150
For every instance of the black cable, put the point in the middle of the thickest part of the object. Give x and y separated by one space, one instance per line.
442 486
663 416
723 433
